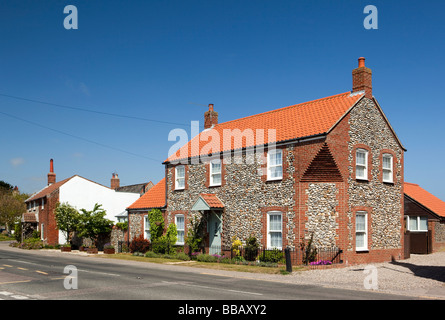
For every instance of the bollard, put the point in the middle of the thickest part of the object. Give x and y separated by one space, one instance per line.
288 260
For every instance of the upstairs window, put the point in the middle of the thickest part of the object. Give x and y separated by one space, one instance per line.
215 173
387 168
275 164
180 177
361 164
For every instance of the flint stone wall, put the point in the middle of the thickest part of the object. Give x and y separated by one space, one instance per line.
368 127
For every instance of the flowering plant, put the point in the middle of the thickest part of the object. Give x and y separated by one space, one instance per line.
320 263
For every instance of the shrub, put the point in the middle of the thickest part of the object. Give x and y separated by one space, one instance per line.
236 244
195 234
151 254
108 246
274 255
139 244
251 249
206 258
182 256
309 251
122 225
166 244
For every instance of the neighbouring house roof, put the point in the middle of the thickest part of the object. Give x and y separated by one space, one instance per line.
136 188
207 201
298 121
426 199
51 188
153 198
48 190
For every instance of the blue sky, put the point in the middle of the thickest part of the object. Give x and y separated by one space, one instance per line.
167 60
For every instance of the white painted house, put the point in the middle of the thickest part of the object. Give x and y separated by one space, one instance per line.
80 193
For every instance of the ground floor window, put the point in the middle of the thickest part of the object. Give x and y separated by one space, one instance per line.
179 221
274 230
361 231
147 228
417 223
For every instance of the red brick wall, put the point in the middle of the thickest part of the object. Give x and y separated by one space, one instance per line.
47 217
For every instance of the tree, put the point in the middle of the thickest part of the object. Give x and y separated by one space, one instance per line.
92 223
156 224
5 185
67 219
172 234
12 205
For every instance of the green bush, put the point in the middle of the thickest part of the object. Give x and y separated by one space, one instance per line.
274 255
251 249
162 245
206 258
182 256
151 254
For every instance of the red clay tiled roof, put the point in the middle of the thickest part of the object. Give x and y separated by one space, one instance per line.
211 200
48 190
425 198
153 198
292 122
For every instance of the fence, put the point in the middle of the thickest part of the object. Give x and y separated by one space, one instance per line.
317 256
294 256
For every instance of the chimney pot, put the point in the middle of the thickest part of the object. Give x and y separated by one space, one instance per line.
51 174
210 118
362 79
115 182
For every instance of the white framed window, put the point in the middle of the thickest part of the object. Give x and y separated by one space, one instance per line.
180 228
387 167
361 231
147 234
179 177
417 223
215 172
43 203
274 229
42 229
275 164
361 164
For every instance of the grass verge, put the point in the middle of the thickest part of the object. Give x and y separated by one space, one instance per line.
207 265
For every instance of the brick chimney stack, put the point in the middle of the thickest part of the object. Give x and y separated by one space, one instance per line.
362 79
210 118
115 182
51 174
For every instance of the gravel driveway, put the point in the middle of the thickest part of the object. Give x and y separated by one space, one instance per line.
420 276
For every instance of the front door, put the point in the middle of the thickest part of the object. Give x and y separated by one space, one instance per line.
214 225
